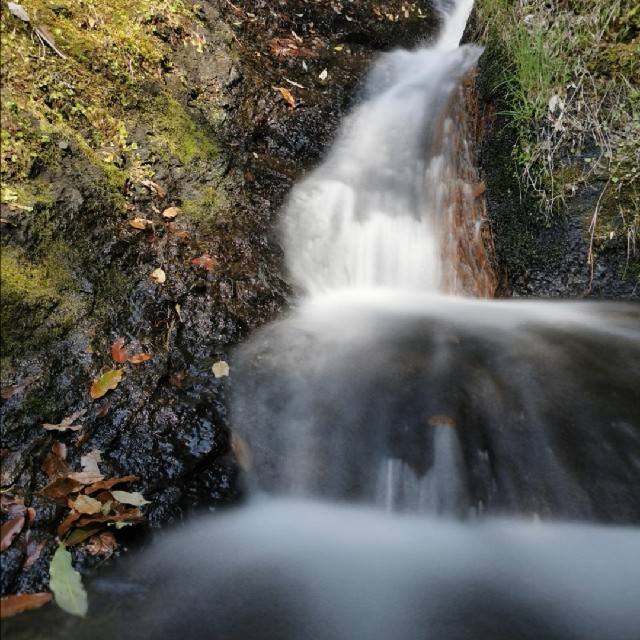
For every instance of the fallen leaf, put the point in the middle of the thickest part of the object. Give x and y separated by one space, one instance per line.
59 449
323 75
103 410
140 223
295 84
134 498
241 452
86 504
158 276
286 94
46 37
14 604
141 357
220 369
9 392
9 531
107 484
103 545
31 547
153 186
80 534
177 378
61 488
132 514
90 460
55 466
67 523
86 477
205 261
14 506
66 584
67 423
106 382
118 352
171 212
18 11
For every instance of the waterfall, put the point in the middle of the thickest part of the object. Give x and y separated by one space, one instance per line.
395 385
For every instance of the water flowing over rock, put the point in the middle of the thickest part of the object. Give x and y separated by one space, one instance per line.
394 385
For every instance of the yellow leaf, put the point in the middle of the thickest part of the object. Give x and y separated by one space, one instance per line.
220 369
171 212
286 94
105 382
140 223
86 504
141 357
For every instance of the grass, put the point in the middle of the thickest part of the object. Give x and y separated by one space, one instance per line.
569 72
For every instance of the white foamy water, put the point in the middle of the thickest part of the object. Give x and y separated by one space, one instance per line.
372 213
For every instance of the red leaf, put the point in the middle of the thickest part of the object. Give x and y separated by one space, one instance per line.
206 262
14 604
118 352
9 531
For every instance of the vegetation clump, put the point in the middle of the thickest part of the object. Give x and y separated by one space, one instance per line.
569 72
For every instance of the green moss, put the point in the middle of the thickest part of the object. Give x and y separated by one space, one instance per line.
203 209
38 301
178 134
113 293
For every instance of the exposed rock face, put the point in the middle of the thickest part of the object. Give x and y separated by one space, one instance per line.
225 146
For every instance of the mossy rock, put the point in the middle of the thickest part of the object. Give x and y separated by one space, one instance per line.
38 302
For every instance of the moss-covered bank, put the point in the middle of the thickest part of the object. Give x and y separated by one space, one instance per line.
562 150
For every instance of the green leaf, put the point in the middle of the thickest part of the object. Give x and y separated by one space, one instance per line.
134 498
66 584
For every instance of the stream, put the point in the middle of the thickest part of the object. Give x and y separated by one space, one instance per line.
422 462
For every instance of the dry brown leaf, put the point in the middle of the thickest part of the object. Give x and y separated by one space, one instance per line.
141 357
153 186
67 523
286 94
102 545
241 452
9 531
86 477
107 484
129 514
205 261
140 223
61 488
55 466
14 604
85 504
177 378
171 212
67 424
9 392
31 547
78 535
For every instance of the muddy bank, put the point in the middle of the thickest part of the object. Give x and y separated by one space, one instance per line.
93 254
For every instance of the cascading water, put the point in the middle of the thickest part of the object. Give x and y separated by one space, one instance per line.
386 390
